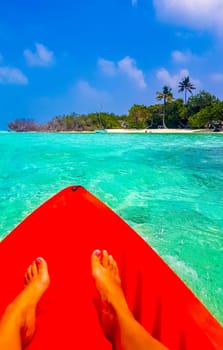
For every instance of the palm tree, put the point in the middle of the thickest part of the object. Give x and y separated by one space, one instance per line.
167 96
186 86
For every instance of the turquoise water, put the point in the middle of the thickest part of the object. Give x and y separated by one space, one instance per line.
168 187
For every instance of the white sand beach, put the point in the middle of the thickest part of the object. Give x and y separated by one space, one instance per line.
157 131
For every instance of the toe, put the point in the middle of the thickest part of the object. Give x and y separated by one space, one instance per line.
42 269
115 266
41 263
34 270
105 258
116 273
111 262
29 273
95 260
26 280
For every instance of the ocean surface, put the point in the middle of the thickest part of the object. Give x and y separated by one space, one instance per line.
168 187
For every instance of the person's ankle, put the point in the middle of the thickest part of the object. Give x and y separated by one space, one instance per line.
122 310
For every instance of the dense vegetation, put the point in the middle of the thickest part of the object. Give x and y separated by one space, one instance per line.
202 110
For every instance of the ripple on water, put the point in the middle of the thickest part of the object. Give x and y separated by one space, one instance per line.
167 187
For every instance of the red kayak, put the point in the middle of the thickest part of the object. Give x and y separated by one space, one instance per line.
65 230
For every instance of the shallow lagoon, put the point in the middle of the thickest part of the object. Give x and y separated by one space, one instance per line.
168 187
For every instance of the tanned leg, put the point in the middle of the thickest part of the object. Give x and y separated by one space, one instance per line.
17 325
117 321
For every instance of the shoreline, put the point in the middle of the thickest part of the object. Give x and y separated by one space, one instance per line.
160 131
124 131
142 131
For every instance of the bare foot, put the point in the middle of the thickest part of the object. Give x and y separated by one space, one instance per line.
117 321
23 307
111 300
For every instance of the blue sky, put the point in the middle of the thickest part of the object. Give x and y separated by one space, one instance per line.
80 56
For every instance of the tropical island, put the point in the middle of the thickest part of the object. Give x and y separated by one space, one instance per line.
200 111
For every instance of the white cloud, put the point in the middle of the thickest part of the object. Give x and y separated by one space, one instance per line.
11 75
85 88
41 57
173 80
185 57
196 14
90 93
181 57
217 77
128 67
107 67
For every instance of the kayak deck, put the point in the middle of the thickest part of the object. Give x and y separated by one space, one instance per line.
65 230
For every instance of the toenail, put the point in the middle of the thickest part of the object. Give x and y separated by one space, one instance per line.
38 260
97 253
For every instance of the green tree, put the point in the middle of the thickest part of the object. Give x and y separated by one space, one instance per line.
109 120
175 114
210 115
156 118
186 86
139 116
201 100
166 96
